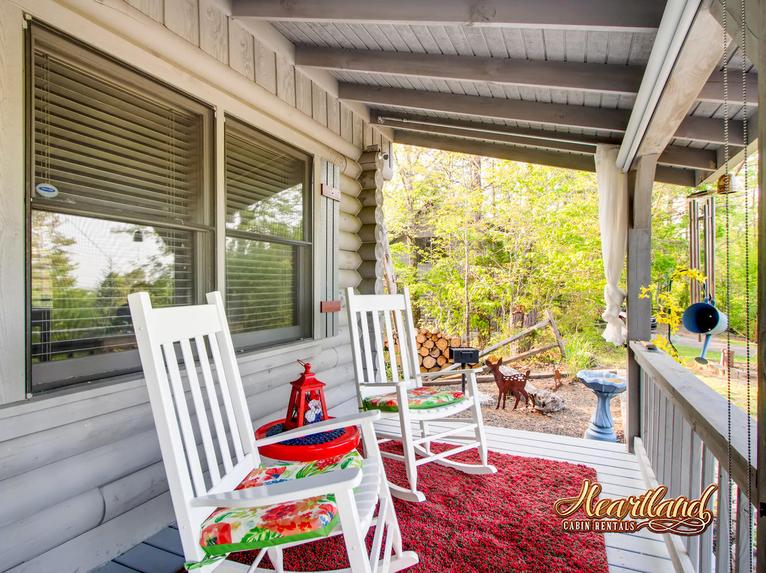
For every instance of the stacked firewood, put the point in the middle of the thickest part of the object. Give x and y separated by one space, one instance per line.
433 349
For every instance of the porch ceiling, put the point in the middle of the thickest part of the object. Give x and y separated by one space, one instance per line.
536 80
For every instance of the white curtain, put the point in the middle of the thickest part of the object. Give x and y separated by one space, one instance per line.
613 221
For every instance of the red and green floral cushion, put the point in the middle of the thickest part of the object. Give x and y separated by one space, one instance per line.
418 399
227 530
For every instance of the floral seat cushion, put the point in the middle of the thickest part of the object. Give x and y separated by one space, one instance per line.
417 398
227 530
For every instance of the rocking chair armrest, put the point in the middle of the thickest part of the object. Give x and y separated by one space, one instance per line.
383 384
359 419
328 483
439 373
439 383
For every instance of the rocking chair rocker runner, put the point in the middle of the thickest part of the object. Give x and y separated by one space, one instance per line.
395 387
230 503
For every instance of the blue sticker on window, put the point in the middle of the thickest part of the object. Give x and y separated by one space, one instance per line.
46 190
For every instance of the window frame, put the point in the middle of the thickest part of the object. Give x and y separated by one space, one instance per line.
306 267
55 375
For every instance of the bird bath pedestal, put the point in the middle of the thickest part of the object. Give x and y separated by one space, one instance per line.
605 385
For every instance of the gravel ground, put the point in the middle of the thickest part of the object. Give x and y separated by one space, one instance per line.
579 403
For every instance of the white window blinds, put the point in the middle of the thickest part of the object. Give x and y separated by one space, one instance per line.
119 203
268 246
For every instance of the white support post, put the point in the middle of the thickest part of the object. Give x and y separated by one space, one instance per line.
640 182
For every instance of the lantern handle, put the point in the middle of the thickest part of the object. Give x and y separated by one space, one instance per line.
306 365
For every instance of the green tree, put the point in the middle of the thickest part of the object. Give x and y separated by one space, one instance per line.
533 241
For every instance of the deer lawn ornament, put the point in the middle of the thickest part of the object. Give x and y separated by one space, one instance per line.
513 384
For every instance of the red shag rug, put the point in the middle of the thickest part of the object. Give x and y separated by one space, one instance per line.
501 523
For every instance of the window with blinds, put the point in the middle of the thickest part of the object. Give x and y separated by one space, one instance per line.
268 231
119 202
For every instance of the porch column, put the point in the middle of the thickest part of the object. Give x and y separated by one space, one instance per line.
640 182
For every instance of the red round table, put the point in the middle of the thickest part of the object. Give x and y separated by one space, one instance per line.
310 448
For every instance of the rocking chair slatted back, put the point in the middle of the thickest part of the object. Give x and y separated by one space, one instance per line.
202 336
383 336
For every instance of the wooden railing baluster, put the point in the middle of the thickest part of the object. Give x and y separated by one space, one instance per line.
706 539
743 536
695 487
647 394
657 418
723 526
684 455
676 463
661 439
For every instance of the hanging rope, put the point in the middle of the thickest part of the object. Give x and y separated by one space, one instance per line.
726 188
746 141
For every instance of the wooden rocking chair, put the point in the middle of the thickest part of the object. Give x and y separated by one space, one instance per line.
395 387
229 502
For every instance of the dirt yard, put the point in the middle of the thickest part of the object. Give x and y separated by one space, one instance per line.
579 403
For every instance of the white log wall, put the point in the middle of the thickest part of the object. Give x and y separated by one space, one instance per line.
348 239
372 228
80 471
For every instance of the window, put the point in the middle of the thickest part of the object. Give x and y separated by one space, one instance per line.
119 201
268 238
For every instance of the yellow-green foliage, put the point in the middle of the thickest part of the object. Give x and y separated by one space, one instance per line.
668 309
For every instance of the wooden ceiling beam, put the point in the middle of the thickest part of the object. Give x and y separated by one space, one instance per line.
712 91
689 158
398 120
517 110
755 21
737 157
674 156
604 78
702 129
497 137
580 162
710 130
631 15
578 76
666 116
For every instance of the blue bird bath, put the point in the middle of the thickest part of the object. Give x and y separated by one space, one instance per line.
605 385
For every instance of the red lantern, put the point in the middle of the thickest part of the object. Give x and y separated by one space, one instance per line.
307 404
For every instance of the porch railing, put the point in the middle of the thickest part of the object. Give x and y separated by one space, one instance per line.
684 444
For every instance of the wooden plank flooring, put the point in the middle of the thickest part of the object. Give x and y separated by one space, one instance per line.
617 470
161 553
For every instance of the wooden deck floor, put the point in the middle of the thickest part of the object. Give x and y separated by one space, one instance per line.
617 470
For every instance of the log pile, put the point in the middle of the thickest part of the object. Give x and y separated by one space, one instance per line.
433 349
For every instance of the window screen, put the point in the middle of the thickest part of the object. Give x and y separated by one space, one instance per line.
119 203
268 247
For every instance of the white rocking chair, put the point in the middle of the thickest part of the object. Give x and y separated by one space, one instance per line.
342 501
403 397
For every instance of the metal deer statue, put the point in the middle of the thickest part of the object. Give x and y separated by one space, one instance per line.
513 384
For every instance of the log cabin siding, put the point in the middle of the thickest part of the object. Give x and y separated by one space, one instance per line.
90 452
